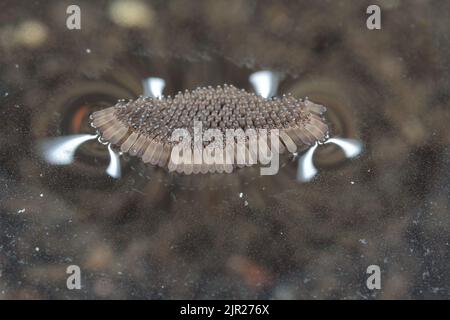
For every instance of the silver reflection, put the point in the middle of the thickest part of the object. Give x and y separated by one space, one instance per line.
306 169
265 83
61 150
153 87
350 147
113 169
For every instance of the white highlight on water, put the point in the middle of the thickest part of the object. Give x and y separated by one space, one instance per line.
113 169
265 83
153 87
61 150
306 169
351 147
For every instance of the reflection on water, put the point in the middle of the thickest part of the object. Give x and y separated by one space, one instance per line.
114 165
265 83
351 147
61 150
153 87
306 170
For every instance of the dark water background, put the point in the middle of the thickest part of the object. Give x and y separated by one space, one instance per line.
152 235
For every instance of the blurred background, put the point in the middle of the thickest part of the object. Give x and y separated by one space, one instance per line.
141 233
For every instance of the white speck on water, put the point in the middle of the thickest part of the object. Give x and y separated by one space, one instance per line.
37 249
88 50
41 195
17 66
6 94
363 241
241 195
245 203
352 182
21 210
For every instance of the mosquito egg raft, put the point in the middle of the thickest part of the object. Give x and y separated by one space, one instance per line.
144 127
